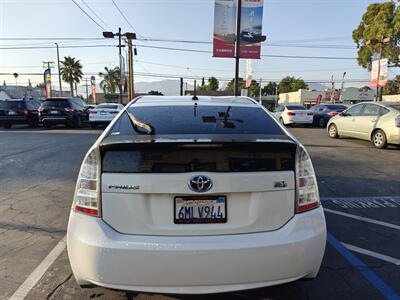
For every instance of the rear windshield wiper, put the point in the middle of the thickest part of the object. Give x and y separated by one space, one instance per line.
140 126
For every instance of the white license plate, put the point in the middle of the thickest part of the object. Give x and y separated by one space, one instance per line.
54 112
200 210
11 113
102 112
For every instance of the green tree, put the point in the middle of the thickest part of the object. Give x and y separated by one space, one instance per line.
365 88
213 83
110 81
231 85
392 87
71 71
381 20
291 84
41 85
156 93
269 89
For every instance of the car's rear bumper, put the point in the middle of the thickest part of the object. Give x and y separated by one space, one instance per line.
195 264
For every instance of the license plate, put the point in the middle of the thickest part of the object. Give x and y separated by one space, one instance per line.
11 113
102 112
200 210
54 112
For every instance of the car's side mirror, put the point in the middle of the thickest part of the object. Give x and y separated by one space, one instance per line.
343 114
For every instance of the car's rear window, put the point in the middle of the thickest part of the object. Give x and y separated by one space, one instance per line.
62 103
197 119
295 107
106 107
12 105
397 107
336 107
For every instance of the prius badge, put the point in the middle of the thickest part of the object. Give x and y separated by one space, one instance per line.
200 183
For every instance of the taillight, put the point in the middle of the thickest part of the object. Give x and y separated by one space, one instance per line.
310 114
26 112
86 198
93 112
397 121
69 109
332 113
307 195
290 113
113 112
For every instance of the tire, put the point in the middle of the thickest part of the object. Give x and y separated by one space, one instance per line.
33 124
8 126
93 125
332 131
321 123
379 139
281 121
46 125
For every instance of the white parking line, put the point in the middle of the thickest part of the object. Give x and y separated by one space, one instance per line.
35 276
373 254
363 219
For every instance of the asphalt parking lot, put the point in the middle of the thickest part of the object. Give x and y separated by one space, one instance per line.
359 186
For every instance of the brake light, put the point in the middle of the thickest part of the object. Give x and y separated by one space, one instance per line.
332 113
310 114
69 109
26 112
307 195
93 112
113 112
290 113
397 121
86 198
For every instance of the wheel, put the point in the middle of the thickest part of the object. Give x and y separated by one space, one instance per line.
33 124
332 131
78 122
8 126
379 139
281 121
93 125
322 123
46 125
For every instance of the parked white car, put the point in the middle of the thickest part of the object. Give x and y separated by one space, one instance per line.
195 196
104 113
289 114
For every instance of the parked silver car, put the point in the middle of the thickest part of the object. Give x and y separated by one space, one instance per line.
375 122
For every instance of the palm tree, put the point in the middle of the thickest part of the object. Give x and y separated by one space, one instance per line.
71 71
110 80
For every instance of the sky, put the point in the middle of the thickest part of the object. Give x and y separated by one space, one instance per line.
292 27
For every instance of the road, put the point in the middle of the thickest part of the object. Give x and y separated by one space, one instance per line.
360 187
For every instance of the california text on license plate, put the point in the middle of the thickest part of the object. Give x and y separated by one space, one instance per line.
200 210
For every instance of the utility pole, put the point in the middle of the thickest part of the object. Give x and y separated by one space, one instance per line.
342 87
181 86
131 83
129 36
260 96
59 73
333 91
276 96
237 51
87 88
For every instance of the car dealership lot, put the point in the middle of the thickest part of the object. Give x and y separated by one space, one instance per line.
360 187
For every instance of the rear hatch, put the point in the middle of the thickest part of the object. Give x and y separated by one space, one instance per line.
54 108
148 188
12 110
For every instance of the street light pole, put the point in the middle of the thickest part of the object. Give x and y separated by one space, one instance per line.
237 51
59 73
120 65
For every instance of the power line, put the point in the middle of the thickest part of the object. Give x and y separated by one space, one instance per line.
98 17
88 15
127 21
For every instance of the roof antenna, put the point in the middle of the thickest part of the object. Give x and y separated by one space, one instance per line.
195 87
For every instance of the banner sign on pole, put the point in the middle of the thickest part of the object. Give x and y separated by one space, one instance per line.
93 86
383 70
251 29
224 28
47 82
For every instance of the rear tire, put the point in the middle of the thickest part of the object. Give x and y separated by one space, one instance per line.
46 125
281 121
321 123
379 139
8 126
78 122
332 131
93 125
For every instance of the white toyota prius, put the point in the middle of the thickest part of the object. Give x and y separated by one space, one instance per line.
195 195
